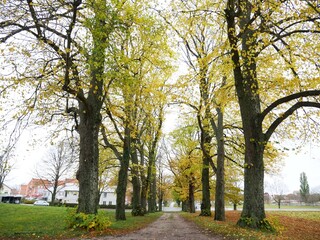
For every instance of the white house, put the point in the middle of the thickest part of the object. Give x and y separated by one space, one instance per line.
5 190
69 193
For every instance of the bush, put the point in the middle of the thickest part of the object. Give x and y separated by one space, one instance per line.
89 222
138 211
28 201
71 205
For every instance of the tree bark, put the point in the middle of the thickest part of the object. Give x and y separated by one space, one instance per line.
136 195
144 184
152 198
191 204
219 213
87 174
205 143
54 190
123 177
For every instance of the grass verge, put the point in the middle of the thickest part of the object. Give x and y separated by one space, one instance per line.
289 225
30 222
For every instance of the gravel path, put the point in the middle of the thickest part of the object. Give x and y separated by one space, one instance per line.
168 226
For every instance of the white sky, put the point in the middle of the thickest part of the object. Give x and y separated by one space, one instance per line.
308 161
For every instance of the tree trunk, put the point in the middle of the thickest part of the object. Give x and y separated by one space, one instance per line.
185 205
136 195
151 182
219 213
90 116
87 174
160 202
160 191
54 191
123 177
152 199
191 204
144 187
205 205
205 143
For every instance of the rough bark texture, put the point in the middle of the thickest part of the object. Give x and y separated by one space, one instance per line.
205 143
219 213
137 209
152 197
123 178
89 162
192 208
54 190
144 185
205 204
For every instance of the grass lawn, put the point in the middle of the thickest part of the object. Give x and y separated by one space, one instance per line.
290 225
30 222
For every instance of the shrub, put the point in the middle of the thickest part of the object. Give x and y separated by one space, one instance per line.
89 222
28 201
138 211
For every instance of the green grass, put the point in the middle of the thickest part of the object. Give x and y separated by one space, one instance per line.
29 222
275 206
298 214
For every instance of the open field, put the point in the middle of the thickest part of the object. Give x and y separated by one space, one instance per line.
30 222
299 225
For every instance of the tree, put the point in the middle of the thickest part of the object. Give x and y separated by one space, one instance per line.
194 23
253 29
185 163
60 162
277 188
135 102
67 41
304 187
4 169
10 134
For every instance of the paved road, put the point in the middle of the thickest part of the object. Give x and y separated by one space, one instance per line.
169 226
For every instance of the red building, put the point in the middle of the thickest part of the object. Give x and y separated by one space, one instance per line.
35 188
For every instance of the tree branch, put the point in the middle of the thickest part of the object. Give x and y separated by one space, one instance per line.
109 145
286 99
286 114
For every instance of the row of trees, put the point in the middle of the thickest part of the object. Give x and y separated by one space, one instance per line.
105 66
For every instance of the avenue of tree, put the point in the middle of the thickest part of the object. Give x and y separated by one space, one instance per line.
105 70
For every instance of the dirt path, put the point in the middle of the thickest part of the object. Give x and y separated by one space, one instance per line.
168 226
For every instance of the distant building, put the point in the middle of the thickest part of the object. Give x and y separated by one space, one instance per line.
35 188
5 190
7 195
68 192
